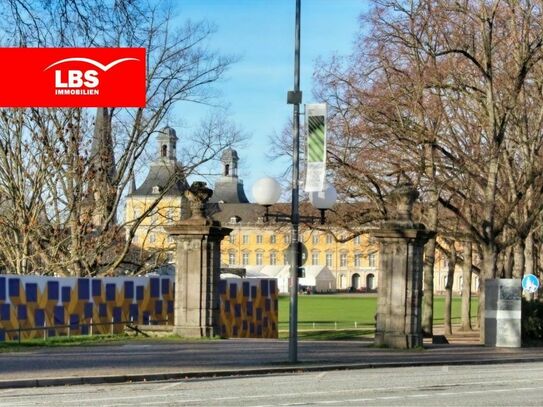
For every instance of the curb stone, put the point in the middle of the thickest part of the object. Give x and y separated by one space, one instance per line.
127 378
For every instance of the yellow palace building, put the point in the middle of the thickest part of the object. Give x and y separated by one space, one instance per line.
254 244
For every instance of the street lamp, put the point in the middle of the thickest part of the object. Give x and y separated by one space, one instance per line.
266 192
323 200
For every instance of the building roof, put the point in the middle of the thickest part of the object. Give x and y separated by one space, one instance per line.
229 155
246 213
163 174
229 190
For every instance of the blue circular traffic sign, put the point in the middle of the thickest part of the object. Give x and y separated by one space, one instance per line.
530 283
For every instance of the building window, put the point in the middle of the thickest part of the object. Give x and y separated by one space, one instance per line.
285 258
329 259
358 260
259 239
152 238
315 258
287 239
156 189
315 238
245 259
259 259
245 239
357 239
371 259
343 260
273 239
273 259
329 239
170 239
231 258
232 239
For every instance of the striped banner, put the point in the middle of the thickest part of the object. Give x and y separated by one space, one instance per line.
316 147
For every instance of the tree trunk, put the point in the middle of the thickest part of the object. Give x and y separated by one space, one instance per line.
428 292
518 267
508 263
430 248
466 287
488 271
529 266
448 289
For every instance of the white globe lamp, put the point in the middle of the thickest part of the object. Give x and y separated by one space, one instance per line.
266 191
323 200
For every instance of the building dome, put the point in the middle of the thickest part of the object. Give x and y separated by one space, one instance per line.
230 155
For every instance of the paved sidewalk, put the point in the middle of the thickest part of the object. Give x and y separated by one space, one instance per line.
163 360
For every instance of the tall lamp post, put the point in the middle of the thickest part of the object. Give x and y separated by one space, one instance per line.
267 191
295 98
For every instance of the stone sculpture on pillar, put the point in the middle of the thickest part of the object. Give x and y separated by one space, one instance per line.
197 263
398 320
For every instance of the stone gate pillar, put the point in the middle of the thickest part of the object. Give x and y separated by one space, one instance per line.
197 263
401 244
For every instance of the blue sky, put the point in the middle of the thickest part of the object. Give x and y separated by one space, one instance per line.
261 33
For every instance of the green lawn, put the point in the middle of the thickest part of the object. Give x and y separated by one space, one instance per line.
349 311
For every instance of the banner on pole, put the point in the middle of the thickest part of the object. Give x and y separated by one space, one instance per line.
315 124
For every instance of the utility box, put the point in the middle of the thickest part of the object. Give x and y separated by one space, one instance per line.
503 312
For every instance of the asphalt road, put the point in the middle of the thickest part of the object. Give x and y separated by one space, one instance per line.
177 356
477 385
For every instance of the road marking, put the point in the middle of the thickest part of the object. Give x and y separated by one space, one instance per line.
160 398
135 347
433 395
169 386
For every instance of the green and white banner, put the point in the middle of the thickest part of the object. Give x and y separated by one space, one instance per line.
315 124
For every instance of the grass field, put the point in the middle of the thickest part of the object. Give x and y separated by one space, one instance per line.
350 311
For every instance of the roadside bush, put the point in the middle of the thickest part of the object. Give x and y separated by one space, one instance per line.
532 321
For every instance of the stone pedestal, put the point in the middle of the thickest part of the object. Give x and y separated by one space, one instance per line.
197 263
398 320
503 312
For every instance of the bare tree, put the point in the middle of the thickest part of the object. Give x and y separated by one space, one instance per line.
67 170
447 94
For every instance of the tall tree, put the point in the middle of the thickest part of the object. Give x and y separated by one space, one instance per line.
449 94
69 187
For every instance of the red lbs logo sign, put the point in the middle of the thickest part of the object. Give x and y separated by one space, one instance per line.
72 77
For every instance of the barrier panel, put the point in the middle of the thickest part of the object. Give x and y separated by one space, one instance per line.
249 308
43 307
